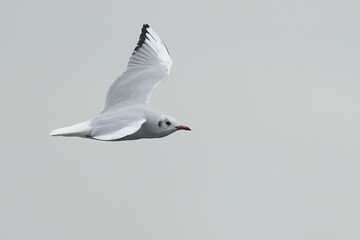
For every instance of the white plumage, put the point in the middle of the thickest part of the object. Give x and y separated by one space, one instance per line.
126 115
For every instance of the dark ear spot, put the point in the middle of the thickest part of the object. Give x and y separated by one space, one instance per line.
160 123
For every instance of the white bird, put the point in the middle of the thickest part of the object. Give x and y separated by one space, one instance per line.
126 115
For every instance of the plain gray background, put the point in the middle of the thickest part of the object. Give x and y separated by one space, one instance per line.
270 89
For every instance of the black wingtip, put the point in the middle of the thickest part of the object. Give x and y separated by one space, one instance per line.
142 37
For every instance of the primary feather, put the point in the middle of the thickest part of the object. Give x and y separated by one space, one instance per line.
148 66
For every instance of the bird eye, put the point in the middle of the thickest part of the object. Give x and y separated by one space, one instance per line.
168 123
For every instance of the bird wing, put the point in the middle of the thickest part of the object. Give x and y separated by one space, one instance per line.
148 66
110 127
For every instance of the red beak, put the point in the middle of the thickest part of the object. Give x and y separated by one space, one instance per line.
182 127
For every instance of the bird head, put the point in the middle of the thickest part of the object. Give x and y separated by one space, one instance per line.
168 125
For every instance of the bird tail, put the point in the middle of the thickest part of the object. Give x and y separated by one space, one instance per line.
78 130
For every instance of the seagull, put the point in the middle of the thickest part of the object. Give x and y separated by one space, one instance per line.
126 114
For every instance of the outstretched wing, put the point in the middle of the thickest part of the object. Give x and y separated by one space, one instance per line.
148 66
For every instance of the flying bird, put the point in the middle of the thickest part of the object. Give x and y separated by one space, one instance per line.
126 114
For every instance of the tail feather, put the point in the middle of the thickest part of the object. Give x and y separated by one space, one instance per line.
79 130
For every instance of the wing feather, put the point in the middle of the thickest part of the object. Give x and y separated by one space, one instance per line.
148 66
112 128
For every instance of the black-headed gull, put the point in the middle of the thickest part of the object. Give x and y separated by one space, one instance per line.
126 115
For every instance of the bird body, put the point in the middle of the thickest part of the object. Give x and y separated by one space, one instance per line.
126 115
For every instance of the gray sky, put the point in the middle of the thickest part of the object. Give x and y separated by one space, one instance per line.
270 89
